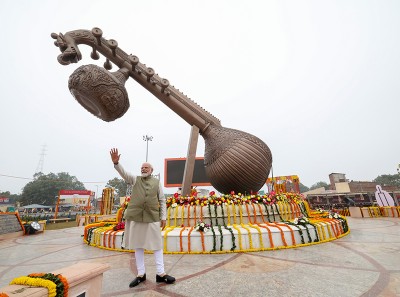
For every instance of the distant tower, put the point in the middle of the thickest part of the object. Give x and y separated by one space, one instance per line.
39 167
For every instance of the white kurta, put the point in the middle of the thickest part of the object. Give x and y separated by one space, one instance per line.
142 235
138 234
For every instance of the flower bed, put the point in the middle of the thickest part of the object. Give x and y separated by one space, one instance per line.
232 223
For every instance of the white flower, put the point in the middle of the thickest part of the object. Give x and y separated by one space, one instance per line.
296 221
173 205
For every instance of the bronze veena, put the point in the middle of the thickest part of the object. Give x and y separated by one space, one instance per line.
234 160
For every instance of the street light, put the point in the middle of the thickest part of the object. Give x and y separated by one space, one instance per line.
147 139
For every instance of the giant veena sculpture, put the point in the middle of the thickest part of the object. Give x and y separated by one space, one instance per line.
234 160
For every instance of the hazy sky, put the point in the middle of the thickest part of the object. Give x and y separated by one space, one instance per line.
318 81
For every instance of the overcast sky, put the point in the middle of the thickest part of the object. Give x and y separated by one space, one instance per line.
317 81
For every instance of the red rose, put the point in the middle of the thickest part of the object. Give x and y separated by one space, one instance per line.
232 192
212 193
176 195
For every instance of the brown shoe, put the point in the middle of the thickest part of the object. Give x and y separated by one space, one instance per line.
165 279
137 281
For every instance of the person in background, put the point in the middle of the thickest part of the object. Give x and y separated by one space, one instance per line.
144 216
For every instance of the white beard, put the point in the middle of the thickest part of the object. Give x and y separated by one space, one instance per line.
146 174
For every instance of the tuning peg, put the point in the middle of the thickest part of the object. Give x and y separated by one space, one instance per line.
149 73
134 61
94 55
107 64
164 84
97 33
113 45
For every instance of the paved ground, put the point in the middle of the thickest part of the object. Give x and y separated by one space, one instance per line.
364 263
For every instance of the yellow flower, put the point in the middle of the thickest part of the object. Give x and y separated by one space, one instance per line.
36 282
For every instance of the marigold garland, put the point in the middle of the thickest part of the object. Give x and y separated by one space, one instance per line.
261 214
255 213
249 234
282 234
290 230
221 239
216 214
201 213
223 216
166 231
329 229
277 210
175 216
269 235
203 246
319 228
239 236
233 238
228 214
188 216
246 217
182 215
268 215
212 230
168 215
308 232
240 214
57 285
299 230
36 282
234 214
180 239
259 234
3 295
190 232
248 214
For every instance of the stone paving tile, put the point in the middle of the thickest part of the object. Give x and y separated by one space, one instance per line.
364 263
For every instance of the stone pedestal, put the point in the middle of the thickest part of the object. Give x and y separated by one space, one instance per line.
84 280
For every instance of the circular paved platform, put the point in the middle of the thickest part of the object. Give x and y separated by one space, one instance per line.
364 263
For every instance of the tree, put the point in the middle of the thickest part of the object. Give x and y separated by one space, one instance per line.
13 197
119 185
44 188
320 184
303 188
388 180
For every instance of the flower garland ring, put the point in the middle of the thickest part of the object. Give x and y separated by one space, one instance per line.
57 285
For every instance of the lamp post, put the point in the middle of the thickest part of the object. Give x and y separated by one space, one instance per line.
147 139
95 198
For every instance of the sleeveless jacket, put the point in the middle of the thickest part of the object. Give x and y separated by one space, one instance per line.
144 205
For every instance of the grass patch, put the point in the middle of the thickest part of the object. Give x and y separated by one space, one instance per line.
61 225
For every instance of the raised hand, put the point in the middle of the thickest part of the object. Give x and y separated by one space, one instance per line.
114 155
